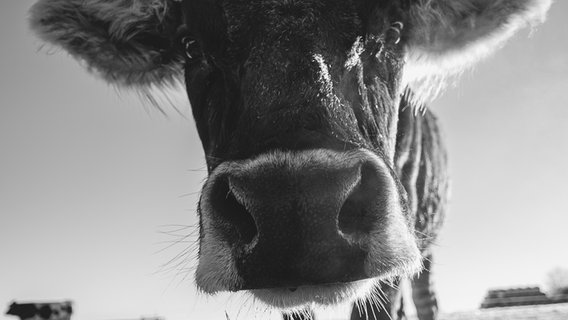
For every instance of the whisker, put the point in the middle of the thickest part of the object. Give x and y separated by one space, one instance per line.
176 242
201 169
189 194
246 302
358 305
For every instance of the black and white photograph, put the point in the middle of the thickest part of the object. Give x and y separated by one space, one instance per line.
283 159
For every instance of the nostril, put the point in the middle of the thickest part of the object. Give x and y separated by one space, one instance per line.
233 215
358 214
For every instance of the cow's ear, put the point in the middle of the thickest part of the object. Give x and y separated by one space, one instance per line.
126 42
446 36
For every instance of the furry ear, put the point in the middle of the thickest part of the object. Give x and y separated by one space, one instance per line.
446 36
126 42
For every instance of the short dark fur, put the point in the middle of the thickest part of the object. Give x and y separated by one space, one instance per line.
247 100
249 94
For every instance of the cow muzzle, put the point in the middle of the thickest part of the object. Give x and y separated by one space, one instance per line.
306 218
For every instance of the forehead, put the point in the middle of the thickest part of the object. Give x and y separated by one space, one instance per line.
290 13
241 22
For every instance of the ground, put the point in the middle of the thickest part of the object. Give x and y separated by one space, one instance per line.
543 312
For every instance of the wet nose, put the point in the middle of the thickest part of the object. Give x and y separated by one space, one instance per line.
292 219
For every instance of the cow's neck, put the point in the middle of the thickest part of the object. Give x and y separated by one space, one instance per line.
421 164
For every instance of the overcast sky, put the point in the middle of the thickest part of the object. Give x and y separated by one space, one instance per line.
91 182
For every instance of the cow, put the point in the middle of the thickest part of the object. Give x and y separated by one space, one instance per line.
327 175
41 310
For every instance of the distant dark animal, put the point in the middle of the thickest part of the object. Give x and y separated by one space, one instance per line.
41 310
327 177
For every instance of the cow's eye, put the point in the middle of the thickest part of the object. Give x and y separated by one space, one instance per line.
191 47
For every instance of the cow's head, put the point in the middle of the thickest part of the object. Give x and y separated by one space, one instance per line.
296 103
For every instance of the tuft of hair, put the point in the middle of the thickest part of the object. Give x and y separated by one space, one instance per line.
129 43
168 99
446 37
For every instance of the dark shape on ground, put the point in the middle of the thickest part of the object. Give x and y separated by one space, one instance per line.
519 297
41 310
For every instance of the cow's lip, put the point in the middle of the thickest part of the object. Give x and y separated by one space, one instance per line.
292 298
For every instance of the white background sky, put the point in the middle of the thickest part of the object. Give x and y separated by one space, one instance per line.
89 178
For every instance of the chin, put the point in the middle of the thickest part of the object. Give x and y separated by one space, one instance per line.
291 299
